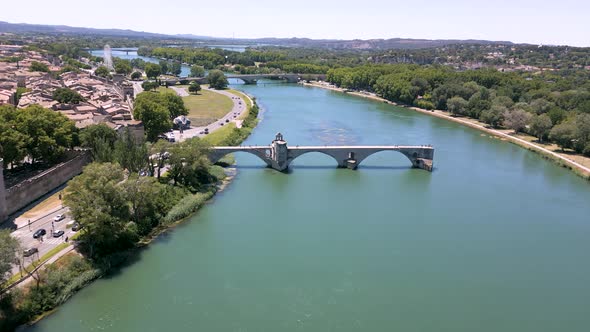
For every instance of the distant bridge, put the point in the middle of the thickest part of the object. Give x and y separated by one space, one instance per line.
248 78
279 156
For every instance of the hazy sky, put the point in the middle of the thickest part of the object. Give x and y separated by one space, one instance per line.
531 21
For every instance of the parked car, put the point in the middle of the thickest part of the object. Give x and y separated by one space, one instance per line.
58 233
76 227
30 252
221 123
226 120
59 217
39 233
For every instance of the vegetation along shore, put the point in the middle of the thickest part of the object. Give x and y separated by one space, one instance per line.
120 208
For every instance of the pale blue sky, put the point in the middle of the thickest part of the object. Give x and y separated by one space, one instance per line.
531 21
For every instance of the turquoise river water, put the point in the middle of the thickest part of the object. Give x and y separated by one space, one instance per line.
495 239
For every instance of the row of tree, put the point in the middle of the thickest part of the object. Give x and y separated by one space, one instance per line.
521 101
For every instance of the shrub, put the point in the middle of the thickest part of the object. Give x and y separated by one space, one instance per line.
187 206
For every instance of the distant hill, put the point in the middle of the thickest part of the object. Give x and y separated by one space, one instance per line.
64 29
356 44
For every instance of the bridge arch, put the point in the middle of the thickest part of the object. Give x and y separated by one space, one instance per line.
262 153
294 155
412 157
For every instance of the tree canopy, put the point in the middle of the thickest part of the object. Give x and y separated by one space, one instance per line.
217 80
67 96
34 132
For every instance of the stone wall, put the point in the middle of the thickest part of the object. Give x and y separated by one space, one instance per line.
25 192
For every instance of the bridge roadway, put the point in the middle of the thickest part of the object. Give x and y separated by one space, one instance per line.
279 156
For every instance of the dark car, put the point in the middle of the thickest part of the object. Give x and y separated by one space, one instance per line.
30 252
76 227
226 120
58 233
39 233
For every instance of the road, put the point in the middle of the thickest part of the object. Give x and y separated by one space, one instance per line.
238 108
24 234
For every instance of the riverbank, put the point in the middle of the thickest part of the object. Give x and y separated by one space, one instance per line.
577 163
184 209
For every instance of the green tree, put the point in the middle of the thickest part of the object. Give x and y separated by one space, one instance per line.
494 115
67 96
147 201
147 85
102 71
197 71
135 75
123 67
174 104
13 142
194 87
563 134
97 201
516 119
457 105
9 247
154 115
189 164
165 67
130 153
100 139
541 126
217 80
39 66
175 68
153 70
49 133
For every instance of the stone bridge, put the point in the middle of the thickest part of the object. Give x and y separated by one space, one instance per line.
248 79
279 156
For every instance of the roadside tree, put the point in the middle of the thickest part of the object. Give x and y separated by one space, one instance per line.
9 247
194 87
153 70
217 80
154 115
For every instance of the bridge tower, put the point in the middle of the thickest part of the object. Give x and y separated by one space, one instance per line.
279 153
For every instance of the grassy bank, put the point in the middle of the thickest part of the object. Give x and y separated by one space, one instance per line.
528 142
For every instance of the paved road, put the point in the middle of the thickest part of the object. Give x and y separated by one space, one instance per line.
180 91
238 108
25 234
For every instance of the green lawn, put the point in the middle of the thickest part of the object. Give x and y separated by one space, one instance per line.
217 137
206 107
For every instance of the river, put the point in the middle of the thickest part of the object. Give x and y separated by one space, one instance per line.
495 239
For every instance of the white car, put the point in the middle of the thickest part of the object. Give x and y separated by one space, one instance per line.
59 217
